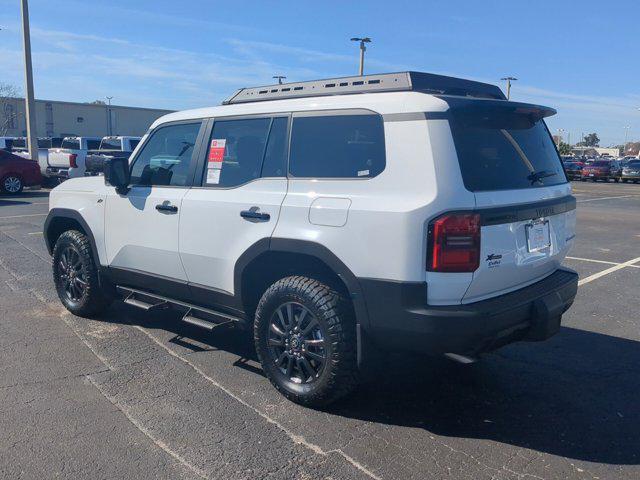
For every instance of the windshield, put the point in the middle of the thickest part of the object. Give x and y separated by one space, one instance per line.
507 151
110 144
71 143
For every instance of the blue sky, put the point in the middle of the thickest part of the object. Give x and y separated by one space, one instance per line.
579 57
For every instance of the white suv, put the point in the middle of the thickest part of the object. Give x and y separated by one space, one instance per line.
335 218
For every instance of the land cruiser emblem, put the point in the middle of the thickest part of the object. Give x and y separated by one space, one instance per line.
544 212
493 260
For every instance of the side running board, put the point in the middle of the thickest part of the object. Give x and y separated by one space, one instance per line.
194 315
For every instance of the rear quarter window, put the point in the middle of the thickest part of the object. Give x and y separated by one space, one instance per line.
337 146
503 152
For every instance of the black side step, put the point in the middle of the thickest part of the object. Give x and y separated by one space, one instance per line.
195 315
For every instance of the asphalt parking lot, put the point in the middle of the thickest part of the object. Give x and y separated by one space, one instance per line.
138 395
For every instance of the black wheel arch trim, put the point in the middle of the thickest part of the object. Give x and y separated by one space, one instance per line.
311 249
56 213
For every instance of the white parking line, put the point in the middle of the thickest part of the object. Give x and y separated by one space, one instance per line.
604 198
607 271
23 216
599 261
34 233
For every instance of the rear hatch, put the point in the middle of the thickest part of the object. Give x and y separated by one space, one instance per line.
527 214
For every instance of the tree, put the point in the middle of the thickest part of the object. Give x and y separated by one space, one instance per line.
97 102
591 140
564 149
8 114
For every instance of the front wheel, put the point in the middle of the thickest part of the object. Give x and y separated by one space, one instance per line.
75 275
304 334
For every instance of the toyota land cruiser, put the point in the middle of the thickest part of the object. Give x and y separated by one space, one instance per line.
402 211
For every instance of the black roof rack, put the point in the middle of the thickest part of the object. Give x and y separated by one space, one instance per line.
383 82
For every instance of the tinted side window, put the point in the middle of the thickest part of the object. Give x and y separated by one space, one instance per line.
134 144
236 149
338 146
275 157
166 158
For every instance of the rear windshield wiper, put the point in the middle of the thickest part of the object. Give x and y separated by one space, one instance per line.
537 176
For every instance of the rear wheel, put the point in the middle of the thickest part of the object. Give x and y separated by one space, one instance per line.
616 180
75 275
12 184
304 333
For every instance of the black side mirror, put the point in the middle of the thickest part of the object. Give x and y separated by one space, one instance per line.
117 174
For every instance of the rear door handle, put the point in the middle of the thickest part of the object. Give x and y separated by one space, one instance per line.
166 208
254 214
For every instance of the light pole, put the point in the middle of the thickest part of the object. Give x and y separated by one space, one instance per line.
30 102
626 135
109 126
509 80
280 78
560 131
363 49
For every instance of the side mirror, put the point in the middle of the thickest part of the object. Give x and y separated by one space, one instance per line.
117 174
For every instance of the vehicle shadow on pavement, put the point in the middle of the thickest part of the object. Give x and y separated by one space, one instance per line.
576 395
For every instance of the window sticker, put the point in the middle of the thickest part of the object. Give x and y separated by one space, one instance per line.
214 164
213 176
216 151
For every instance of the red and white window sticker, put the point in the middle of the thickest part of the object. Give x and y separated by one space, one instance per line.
214 164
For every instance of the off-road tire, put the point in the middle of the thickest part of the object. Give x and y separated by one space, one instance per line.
334 314
93 299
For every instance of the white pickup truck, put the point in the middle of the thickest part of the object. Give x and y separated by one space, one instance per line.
68 161
110 147
19 147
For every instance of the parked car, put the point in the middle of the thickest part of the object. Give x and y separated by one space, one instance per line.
602 170
110 147
573 170
631 171
332 218
44 144
17 172
68 161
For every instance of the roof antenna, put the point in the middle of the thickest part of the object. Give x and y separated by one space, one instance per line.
280 78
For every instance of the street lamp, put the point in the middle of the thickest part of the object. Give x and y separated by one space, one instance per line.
109 126
280 78
626 135
509 80
560 131
363 49
30 103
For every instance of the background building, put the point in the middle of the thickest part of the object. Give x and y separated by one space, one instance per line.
59 119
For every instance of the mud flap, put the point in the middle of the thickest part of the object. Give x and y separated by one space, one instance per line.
546 314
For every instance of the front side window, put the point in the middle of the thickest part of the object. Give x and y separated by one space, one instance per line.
337 146
166 158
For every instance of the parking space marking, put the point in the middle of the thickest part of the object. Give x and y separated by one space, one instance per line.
607 271
605 198
29 215
599 261
34 233
293 436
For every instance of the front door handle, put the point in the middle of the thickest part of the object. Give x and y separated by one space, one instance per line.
166 208
253 214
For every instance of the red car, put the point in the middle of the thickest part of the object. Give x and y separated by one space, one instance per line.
17 172
602 170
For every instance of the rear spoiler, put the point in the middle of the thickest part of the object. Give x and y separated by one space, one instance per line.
497 107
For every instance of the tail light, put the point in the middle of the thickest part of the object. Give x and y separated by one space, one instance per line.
73 163
454 243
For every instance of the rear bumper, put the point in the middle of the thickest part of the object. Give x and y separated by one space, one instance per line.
58 172
628 176
400 320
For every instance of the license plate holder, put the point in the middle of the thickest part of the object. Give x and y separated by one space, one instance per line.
538 236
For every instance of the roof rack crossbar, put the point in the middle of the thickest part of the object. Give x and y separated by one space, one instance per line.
384 82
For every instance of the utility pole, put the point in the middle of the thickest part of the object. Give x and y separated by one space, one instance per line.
509 80
363 49
109 126
626 135
279 78
30 102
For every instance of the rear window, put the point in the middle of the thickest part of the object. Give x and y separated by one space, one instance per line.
71 143
600 164
337 146
93 144
110 144
507 151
